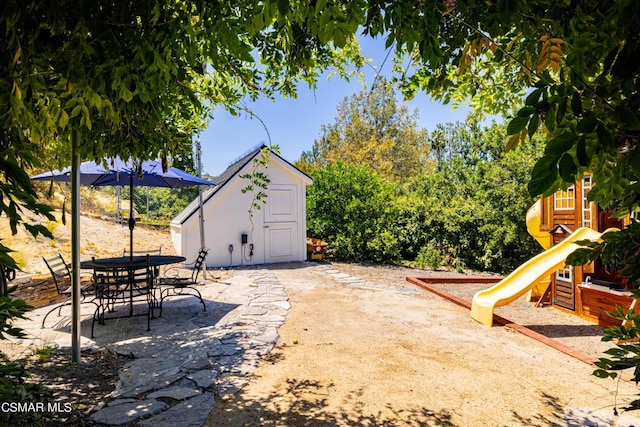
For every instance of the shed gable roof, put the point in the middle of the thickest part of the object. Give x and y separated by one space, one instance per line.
225 177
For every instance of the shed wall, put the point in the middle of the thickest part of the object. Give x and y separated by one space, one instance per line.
275 233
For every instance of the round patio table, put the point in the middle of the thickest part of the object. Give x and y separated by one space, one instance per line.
130 264
125 261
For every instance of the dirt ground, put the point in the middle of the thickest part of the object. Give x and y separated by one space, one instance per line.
383 352
98 238
355 356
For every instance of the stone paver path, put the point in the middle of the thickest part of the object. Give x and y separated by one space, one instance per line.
190 357
210 358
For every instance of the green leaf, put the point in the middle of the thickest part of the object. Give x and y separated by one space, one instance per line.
561 143
587 124
96 101
339 39
581 153
543 176
64 119
506 10
127 96
534 97
533 125
604 137
628 117
580 256
567 168
526 111
76 110
561 109
513 142
283 7
258 22
576 104
325 28
517 124
269 10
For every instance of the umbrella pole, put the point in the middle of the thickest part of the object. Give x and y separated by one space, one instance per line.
75 247
200 206
132 221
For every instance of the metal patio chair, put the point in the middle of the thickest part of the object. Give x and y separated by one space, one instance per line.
142 252
124 283
172 284
60 272
7 274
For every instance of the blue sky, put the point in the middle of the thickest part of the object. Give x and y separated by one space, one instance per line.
295 123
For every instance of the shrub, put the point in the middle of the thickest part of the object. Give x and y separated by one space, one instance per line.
430 256
470 213
348 207
13 377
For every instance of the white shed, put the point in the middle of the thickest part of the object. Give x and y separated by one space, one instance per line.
274 233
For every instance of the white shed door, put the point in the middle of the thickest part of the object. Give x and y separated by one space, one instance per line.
281 242
281 224
281 204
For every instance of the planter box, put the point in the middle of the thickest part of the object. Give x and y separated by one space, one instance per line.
598 300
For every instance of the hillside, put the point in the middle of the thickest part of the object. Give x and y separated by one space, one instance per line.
98 237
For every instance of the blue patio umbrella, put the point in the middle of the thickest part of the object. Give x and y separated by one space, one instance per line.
148 173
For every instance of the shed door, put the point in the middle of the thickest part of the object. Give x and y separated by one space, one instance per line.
281 242
281 204
281 224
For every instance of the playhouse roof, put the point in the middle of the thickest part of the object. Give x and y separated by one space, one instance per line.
225 177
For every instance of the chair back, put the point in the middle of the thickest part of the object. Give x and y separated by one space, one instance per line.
112 279
7 274
142 252
197 265
59 269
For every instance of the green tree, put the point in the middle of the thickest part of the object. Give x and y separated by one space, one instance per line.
134 78
476 202
348 207
470 213
502 201
371 128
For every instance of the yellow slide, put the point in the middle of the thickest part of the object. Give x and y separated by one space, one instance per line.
526 276
533 225
534 215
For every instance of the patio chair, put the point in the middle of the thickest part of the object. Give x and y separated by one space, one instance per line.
172 284
7 274
142 252
60 272
122 283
